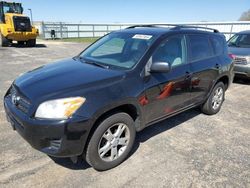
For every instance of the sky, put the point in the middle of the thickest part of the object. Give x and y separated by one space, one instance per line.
135 11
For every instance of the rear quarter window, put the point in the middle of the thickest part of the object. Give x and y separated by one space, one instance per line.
218 45
200 47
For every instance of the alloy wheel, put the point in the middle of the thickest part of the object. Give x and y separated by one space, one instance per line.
217 98
114 142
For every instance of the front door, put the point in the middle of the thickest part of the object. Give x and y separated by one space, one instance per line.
166 93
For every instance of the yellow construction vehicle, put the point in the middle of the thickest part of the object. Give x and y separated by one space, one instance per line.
14 26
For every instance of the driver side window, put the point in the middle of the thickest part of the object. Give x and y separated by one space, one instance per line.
172 51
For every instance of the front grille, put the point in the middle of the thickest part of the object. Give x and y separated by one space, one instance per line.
240 60
22 24
19 100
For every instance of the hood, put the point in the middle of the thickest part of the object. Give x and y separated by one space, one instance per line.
62 77
239 51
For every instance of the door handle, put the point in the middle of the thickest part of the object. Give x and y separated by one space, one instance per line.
188 75
217 66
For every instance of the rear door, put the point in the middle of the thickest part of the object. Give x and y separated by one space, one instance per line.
204 65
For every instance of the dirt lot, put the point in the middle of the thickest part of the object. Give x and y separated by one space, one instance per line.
188 150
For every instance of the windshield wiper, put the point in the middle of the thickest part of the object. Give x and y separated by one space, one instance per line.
94 63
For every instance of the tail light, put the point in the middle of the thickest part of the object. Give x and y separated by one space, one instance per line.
232 56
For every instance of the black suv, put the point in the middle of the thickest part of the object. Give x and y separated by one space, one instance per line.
93 104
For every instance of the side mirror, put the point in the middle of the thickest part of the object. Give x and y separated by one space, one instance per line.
160 67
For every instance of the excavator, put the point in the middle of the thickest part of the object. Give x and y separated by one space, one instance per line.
15 26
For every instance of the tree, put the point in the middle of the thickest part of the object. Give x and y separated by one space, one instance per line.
245 16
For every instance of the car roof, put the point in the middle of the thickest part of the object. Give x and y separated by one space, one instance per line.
158 30
244 32
146 30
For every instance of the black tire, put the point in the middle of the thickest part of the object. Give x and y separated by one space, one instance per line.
20 42
31 43
209 107
92 152
3 41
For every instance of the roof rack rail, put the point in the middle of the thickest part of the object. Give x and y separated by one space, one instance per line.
196 27
175 27
153 25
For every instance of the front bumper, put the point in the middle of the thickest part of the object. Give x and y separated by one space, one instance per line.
22 36
59 138
242 70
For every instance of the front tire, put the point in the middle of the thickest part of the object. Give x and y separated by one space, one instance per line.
215 100
20 43
31 43
3 41
111 142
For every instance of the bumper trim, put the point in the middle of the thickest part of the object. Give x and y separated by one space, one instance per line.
40 134
242 70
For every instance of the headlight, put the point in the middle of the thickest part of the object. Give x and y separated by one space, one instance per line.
59 108
248 59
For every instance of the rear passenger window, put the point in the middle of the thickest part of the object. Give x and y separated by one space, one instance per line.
218 44
200 47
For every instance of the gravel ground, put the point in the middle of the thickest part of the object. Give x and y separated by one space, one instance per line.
188 150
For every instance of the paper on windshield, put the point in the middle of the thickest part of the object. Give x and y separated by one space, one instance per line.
143 37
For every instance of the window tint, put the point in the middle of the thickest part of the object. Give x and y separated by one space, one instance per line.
172 51
200 47
218 44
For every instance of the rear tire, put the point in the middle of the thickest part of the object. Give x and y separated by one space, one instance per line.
31 43
215 100
3 41
111 142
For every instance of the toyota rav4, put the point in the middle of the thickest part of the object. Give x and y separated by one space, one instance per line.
92 105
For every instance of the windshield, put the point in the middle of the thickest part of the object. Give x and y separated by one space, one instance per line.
12 8
240 40
120 50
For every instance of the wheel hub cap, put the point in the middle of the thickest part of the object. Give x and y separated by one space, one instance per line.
217 98
114 142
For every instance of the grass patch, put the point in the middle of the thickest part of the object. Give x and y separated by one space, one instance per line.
83 40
